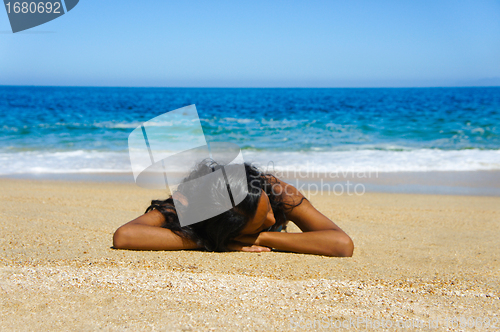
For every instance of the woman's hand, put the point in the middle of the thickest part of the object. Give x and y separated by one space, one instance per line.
239 246
247 243
248 239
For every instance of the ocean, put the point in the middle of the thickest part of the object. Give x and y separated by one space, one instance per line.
67 130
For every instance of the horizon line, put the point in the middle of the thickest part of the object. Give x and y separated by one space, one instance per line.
250 87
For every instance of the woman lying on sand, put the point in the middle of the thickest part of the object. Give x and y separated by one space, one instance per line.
252 225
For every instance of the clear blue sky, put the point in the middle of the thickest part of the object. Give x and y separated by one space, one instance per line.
258 43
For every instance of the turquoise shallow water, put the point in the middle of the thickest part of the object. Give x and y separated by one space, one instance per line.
78 129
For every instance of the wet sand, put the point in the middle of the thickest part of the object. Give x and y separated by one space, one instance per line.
477 183
419 259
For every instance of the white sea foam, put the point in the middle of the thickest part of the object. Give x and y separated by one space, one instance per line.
420 160
78 161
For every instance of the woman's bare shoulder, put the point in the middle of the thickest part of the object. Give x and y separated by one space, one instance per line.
290 195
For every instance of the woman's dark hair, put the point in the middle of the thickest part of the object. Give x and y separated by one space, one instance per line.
214 234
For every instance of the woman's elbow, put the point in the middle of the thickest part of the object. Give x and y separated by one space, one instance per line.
121 238
344 247
348 248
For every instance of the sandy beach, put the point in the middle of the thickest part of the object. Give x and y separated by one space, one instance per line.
419 259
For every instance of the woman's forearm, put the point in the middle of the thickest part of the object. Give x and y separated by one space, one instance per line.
325 242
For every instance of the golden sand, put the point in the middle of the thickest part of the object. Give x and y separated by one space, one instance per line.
419 259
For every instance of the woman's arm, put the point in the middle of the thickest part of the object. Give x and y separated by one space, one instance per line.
146 233
320 235
325 242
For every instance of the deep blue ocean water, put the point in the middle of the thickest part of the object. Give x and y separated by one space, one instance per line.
85 129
